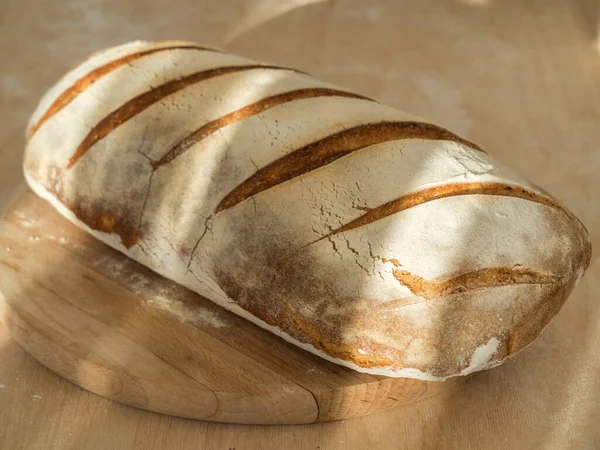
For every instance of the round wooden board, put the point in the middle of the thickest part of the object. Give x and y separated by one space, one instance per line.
115 328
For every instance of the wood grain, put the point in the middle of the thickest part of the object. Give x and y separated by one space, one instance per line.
110 325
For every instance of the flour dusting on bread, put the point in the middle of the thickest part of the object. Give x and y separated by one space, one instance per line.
368 236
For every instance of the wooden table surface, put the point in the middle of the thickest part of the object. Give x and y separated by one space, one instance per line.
519 77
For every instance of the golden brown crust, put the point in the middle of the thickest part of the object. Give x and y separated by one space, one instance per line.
96 214
322 336
84 82
309 331
512 343
331 148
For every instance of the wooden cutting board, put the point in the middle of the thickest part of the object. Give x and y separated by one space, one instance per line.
113 327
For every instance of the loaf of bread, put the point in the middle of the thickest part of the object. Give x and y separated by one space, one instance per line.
373 238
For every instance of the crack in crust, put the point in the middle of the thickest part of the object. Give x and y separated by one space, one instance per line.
488 277
327 150
84 82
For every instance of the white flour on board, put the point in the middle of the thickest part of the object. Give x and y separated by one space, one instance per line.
25 221
185 314
160 297
28 222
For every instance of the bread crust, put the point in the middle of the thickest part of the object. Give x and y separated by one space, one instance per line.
368 236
